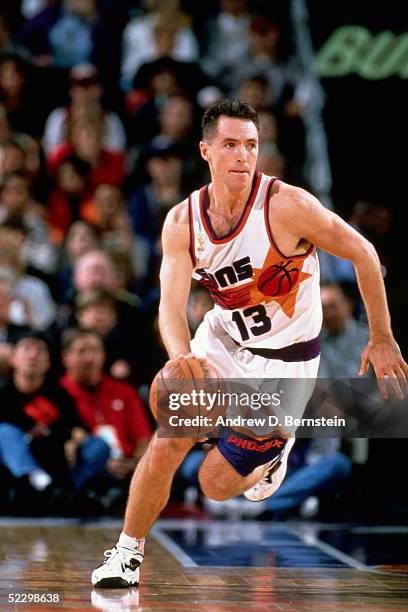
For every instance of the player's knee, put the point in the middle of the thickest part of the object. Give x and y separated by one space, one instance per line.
213 488
167 452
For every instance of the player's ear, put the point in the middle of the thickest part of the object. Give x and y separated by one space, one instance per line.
204 150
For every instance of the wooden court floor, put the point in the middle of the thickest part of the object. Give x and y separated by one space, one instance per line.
54 559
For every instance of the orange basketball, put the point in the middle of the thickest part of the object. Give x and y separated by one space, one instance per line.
184 397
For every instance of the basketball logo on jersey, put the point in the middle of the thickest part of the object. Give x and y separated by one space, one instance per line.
201 242
278 279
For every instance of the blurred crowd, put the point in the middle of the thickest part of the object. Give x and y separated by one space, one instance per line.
100 108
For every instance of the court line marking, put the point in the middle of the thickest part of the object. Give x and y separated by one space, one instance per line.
385 529
307 533
309 537
173 548
38 521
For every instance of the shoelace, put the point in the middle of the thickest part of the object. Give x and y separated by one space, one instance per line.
108 553
112 551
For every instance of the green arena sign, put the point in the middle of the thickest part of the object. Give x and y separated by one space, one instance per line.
354 49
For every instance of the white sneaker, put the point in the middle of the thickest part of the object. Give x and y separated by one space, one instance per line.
119 570
272 477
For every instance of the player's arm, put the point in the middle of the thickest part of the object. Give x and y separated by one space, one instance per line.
175 282
311 221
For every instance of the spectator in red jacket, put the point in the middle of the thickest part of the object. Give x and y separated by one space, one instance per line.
86 141
43 443
109 408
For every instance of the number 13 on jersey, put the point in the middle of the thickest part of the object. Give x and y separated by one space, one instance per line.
258 324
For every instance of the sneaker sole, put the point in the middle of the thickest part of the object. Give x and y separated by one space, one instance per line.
114 583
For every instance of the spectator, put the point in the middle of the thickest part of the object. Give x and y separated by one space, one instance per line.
13 157
126 281
21 153
153 84
95 310
94 269
85 95
69 196
86 142
9 332
107 213
163 32
270 159
20 97
176 122
254 90
33 304
80 239
156 82
343 338
18 210
289 90
262 58
109 408
97 269
374 221
42 441
69 33
149 204
228 31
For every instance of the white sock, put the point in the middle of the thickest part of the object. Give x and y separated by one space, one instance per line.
130 543
39 479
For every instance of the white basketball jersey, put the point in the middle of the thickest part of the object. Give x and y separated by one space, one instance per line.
262 297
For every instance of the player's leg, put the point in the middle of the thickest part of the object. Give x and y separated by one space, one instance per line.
240 464
148 494
297 382
219 480
151 483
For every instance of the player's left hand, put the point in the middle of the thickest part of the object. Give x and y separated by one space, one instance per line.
389 366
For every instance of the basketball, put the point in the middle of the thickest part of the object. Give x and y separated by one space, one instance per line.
179 397
278 280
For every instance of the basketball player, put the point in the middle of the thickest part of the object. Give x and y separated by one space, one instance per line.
251 239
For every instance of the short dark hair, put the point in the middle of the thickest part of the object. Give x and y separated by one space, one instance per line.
228 108
31 334
94 296
71 335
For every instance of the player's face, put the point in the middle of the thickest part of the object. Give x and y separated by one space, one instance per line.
232 152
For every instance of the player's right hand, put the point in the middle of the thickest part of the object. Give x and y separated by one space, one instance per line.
389 366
